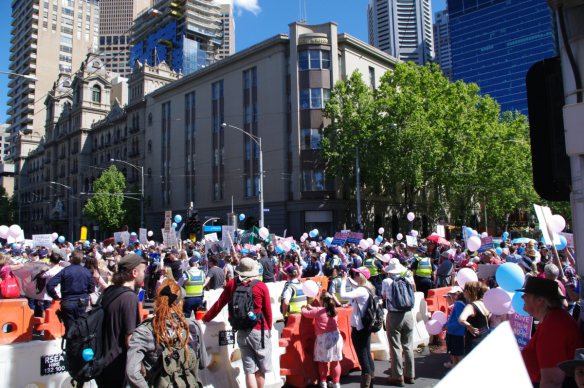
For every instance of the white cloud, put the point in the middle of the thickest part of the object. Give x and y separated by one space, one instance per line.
248 5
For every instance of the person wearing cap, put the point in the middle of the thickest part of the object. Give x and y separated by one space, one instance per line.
194 282
575 368
424 272
293 297
215 275
557 336
360 335
121 316
400 328
454 330
314 267
335 284
254 344
373 262
172 261
76 284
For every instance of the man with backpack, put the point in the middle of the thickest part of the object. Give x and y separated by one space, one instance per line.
398 292
250 313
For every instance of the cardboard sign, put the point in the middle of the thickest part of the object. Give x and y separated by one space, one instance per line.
167 220
169 238
440 231
118 237
544 214
211 237
42 240
411 241
340 238
227 236
521 327
354 237
569 239
143 235
126 238
486 243
52 364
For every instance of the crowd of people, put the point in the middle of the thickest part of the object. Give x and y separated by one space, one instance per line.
83 275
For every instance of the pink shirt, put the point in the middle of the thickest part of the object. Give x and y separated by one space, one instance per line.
322 322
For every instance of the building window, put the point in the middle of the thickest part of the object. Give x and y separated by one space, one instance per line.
314 98
96 94
311 138
314 59
314 180
372 77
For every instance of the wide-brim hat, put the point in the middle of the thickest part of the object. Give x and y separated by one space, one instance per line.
247 268
542 287
394 267
569 366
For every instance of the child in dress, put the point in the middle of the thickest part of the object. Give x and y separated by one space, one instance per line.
328 346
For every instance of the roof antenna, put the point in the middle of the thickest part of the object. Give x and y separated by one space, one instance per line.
302 11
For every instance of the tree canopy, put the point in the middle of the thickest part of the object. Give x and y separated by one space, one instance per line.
429 145
106 204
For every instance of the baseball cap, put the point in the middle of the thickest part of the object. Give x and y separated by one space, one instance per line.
194 260
341 267
363 271
129 262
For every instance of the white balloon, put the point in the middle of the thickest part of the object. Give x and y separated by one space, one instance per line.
264 233
434 327
363 244
54 236
474 233
14 231
414 233
313 244
374 248
558 223
310 288
399 236
380 230
3 231
440 316
466 275
484 234
302 238
498 301
411 216
150 233
286 246
370 241
473 243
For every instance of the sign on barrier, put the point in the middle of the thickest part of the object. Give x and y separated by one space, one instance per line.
226 337
53 363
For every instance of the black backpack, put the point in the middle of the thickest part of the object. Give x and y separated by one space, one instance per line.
86 333
373 316
241 305
402 294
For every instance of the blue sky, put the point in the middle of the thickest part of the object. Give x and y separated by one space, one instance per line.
255 20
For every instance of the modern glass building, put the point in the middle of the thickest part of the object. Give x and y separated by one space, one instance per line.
494 42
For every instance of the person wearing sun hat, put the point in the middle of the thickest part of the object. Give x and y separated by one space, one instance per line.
557 336
400 328
575 367
255 343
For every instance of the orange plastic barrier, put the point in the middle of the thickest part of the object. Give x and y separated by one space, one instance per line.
50 323
297 363
143 312
436 300
15 321
322 281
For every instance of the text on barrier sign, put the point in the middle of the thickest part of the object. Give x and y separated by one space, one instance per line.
226 337
53 363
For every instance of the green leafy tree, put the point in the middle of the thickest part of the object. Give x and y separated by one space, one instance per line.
7 208
132 206
106 205
438 148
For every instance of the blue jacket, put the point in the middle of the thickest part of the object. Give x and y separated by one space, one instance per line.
75 280
452 325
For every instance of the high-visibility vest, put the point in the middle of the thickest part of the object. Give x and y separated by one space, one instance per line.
424 269
297 300
337 286
194 283
370 264
261 271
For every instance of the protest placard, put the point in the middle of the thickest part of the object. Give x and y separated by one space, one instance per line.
486 243
143 235
42 240
544 215
340 237
440 231
167 220
125 237
521 327
411 241
354 237
569 239
211 237
118 237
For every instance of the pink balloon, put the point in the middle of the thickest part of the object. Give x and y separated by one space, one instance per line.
440 316
473 243
498 301
434 327
466 275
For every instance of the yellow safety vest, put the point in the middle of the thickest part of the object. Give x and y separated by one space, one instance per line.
424 269
337 286
370 264
194 283
297 300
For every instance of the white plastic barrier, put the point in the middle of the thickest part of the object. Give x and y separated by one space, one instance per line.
35 364
225 368
276 289
380 344
420 311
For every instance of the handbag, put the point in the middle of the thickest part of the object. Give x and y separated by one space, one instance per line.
9 288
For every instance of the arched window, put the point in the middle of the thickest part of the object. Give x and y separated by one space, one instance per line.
96 94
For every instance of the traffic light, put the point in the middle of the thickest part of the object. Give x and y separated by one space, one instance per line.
194 223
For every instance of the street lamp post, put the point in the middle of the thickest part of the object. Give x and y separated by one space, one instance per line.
258 141
141 169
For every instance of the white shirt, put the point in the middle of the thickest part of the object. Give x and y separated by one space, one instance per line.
358 298
386 291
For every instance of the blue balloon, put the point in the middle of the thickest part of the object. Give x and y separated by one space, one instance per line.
518 304
61 239
244 251
178 218
87 354
510 277
138 252
279 250
197 254
312 234
328 241
241 217
505 236
174 225
14 245
467 232
562 244
499 251
379 239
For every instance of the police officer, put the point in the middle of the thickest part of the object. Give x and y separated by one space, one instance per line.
335 284
293 297
194 281
424 272
375 266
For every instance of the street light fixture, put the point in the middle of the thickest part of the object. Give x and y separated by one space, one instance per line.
141 169
258 141
27 76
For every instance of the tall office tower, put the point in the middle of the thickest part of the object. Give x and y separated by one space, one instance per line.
114 32
494 42
228 46
48 37
402 28
442 42
186 34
